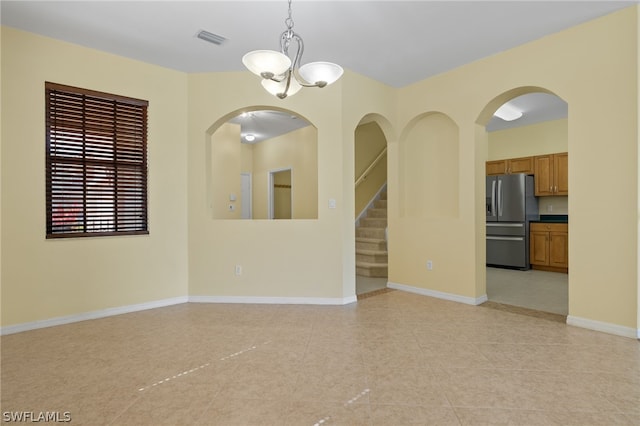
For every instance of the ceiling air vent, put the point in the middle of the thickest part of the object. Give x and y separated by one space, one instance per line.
211 37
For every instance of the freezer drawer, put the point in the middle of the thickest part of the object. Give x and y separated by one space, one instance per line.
506 229
507 251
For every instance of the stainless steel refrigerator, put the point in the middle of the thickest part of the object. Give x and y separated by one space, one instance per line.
511 205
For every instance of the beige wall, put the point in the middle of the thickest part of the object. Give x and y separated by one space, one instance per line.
44 279
227 156
594 68
536 139
297 258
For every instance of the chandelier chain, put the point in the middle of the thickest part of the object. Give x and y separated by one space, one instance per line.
289 21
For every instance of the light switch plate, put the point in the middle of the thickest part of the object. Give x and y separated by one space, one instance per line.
332 203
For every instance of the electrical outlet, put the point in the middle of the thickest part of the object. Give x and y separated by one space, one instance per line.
238 269
429 265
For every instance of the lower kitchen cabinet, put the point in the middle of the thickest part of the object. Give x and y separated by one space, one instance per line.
549 246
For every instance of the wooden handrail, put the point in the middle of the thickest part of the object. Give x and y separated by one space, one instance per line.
375 162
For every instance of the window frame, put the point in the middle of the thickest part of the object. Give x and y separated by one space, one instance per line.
96 165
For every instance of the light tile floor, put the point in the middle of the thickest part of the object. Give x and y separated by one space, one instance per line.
368 284
533 289
392 359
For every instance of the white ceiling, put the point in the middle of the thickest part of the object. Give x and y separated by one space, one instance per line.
395 42
265 124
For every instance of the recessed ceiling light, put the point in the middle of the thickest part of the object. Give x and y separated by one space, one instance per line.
508 113
211 37
249 138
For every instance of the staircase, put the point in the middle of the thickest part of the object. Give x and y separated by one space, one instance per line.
371 245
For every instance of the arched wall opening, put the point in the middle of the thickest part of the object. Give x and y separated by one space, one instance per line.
240 175
536 142
370 201
370 161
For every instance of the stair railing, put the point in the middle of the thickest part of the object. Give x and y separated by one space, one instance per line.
375 162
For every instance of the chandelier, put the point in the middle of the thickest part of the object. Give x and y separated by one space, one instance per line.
282 76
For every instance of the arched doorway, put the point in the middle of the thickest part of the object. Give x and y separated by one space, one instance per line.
370 212
533 143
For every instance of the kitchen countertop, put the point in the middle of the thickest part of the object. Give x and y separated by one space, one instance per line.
552 218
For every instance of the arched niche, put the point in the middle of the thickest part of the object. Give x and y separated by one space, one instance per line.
429 167
273 176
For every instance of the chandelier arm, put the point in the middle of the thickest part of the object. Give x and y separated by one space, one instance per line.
303 82
274 78
295 64
286 88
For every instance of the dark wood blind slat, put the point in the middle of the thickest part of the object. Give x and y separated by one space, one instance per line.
96 163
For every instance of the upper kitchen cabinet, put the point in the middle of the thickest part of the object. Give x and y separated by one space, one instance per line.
510 166
552 174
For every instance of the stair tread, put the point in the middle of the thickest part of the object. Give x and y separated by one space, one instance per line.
370 264
371 242
371 252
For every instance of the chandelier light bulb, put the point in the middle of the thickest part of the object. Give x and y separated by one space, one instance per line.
316 72
278 88
266 62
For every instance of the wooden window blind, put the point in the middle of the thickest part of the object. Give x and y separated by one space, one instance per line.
96 163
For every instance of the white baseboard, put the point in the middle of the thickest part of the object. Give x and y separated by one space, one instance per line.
11 329
605 327
439 294
274 300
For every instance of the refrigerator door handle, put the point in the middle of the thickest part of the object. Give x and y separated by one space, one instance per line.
506 225
499 197
506 238
493 198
